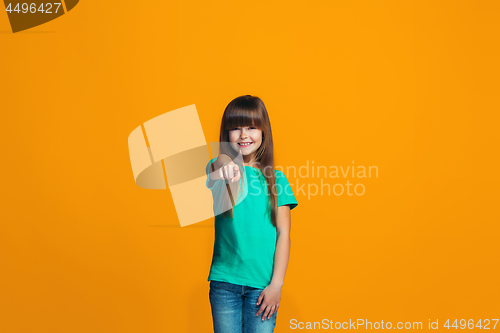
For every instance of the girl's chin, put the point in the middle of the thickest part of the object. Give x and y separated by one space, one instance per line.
246 154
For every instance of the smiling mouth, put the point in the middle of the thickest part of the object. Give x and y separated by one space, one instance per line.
244 144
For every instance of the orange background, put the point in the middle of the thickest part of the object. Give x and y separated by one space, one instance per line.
411 87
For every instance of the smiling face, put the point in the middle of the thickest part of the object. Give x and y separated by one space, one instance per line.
248 139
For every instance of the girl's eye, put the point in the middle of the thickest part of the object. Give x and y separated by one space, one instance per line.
238 128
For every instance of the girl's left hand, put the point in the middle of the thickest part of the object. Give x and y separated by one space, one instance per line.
271 295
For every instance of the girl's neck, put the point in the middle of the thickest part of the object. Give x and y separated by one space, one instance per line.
248 160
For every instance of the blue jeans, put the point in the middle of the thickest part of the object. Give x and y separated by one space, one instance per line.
234 309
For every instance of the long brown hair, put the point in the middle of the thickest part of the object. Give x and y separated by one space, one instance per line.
250 111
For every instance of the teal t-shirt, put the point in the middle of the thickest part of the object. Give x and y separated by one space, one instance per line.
244 246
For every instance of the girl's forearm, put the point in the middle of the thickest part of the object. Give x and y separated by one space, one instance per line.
281 256
218 163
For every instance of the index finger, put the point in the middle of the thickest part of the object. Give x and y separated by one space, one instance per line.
261 309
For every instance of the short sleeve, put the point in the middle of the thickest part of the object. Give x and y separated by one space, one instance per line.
284 191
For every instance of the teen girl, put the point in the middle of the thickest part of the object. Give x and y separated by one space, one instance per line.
252 234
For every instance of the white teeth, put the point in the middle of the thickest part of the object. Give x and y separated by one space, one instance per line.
244 144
